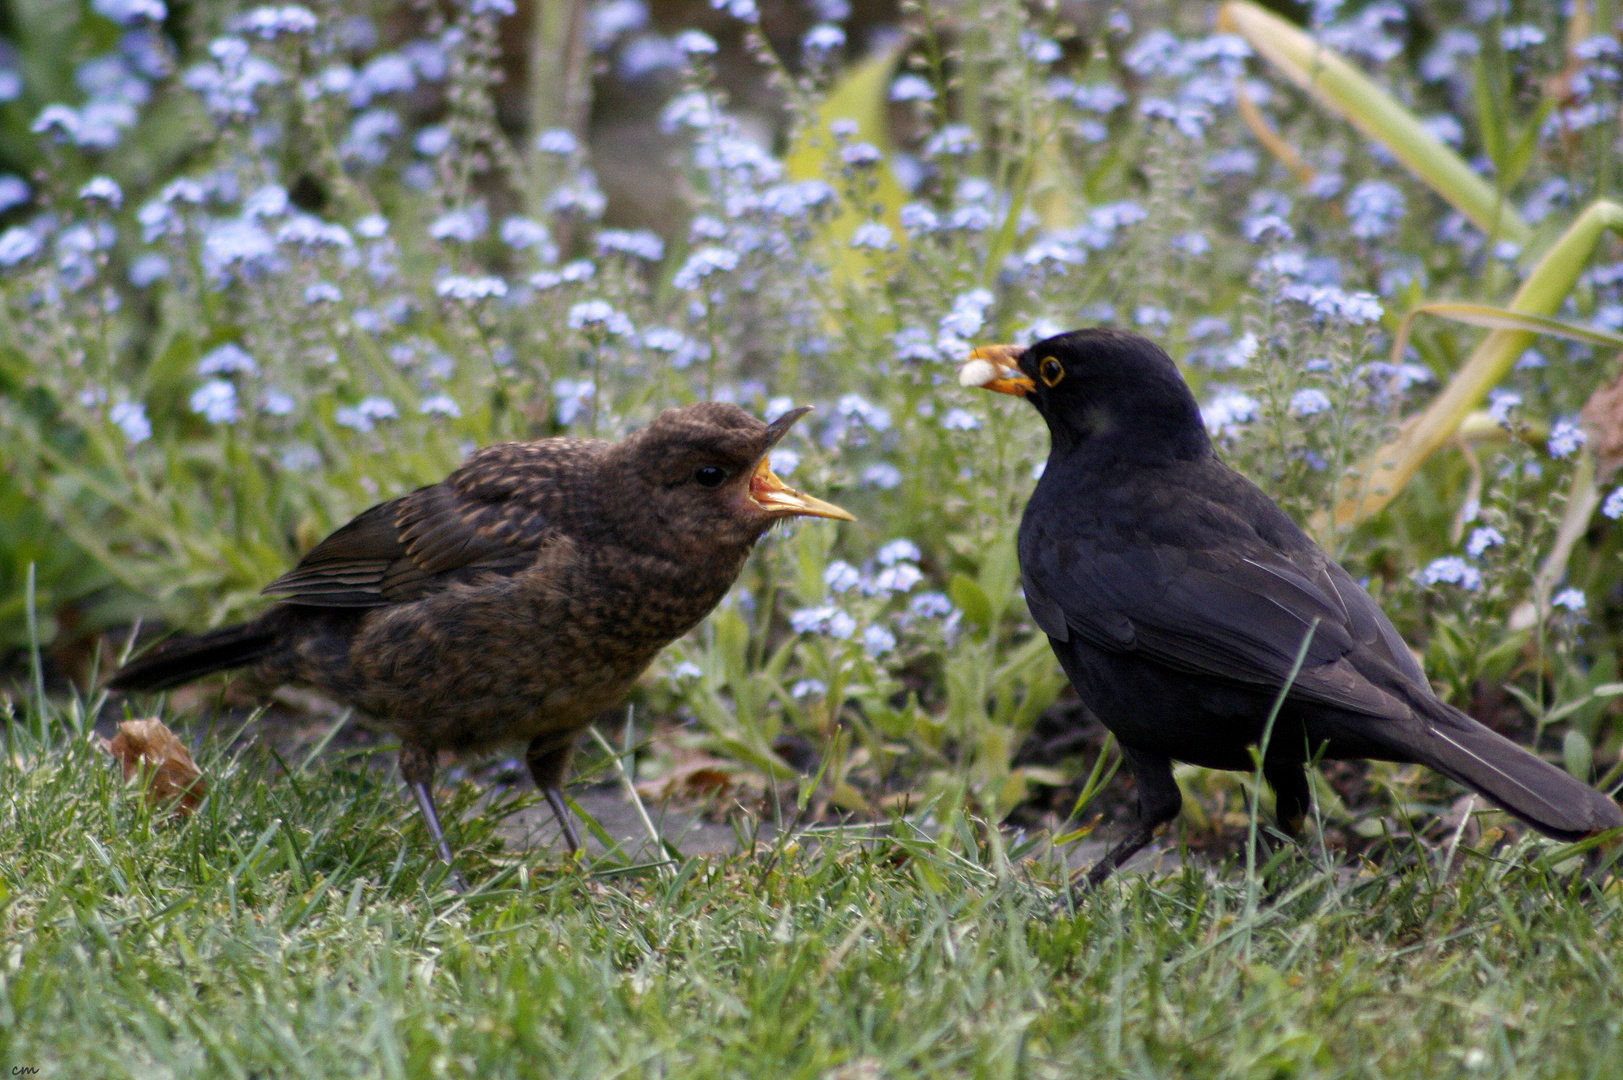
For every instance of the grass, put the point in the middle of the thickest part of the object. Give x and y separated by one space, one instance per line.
297 926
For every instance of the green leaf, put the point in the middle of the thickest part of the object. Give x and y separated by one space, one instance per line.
861 97
971 600
1578 754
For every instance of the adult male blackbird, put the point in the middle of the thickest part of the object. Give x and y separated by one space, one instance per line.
1178 598
519 597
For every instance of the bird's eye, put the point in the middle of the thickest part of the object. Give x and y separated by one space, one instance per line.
710 476
1052 371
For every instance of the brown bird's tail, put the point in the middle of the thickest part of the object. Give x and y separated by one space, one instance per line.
1514 779
182 659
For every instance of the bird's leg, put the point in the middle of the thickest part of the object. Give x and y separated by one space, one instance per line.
1159 801
1292 795
548 762
417 766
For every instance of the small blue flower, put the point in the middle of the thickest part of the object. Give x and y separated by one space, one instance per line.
1572 599
953 140
861 154
268 22
882 475
572 396
639 243
1374 209
364 415
131 12
911 87
1482 539
1516 38
872 234
216 402
14 191
466 224
131 418
1501 404
103 189
17 244
600 315
1452 570
930 605
560 141
898 551
840 576
1613 506
1565 438
1309 402
703 263
878 641
858 409
148 268
1228 411
899 578
440 405
228 359
823 38
463 287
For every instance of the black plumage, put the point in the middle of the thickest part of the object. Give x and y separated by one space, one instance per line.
1178 598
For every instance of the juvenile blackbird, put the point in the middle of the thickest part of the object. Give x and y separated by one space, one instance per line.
1177 597
519 597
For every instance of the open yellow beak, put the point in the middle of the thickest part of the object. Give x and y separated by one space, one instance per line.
996 367
780 500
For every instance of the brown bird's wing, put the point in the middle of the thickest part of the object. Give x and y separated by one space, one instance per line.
410 547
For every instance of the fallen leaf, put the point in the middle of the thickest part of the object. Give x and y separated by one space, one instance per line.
147 746
702 778
1602 419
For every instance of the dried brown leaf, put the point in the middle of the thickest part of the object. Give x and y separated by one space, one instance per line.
1602 419
148 747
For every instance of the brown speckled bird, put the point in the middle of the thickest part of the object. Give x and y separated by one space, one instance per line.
518 598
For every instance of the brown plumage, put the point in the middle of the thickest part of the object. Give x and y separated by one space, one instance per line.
519 597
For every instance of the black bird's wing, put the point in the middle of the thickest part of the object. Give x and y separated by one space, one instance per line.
1223 586
478 520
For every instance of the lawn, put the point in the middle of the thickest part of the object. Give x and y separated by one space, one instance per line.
264 267
297 926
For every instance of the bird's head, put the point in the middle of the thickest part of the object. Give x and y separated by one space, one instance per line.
699 477
1098 385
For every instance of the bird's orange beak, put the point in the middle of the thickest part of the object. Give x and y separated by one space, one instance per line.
771 494
996 367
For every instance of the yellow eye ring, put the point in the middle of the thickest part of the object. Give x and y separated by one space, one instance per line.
1052 371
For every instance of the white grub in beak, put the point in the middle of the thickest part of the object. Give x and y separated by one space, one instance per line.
995 367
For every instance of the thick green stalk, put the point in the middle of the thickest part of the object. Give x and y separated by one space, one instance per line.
1543 293
1345 90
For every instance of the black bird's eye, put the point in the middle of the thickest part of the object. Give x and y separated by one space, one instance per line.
1052 371
710 476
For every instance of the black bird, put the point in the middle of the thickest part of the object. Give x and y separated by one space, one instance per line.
1178 597
519 597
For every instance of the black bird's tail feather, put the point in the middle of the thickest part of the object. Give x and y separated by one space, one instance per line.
1513 778
182 659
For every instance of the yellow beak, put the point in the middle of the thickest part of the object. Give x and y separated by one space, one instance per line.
996 367
780 500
